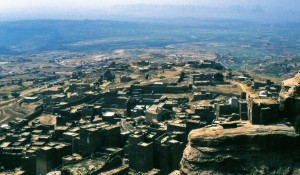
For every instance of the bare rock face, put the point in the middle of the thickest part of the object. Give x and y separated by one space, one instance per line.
250 149
291 87
289 98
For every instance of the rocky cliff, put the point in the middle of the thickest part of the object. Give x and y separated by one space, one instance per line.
249 149
289 98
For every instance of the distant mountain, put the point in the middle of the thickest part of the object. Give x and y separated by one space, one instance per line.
103 35
40 35
6 51
253 13
259 10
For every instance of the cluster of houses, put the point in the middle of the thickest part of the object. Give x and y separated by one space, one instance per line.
136 129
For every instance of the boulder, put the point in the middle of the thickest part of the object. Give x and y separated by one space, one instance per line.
249 149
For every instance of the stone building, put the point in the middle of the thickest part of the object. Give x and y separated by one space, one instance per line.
263 111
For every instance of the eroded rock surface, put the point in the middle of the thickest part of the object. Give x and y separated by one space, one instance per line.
250 149
290 100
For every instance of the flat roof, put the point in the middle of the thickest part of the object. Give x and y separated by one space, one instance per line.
144 144
265 101
109 114
30 98
5 144
158 83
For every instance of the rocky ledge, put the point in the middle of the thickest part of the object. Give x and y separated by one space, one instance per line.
249 149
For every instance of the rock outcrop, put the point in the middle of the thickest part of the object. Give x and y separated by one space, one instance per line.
290 100
249 149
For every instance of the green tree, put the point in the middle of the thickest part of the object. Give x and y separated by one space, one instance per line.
219 77
100 80
109 76
147 76
181 77
15 94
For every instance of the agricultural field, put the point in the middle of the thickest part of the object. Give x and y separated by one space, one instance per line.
239 45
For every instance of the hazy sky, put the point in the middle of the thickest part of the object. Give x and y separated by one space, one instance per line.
23 4
66 9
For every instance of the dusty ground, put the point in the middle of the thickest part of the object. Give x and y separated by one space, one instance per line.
47 119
